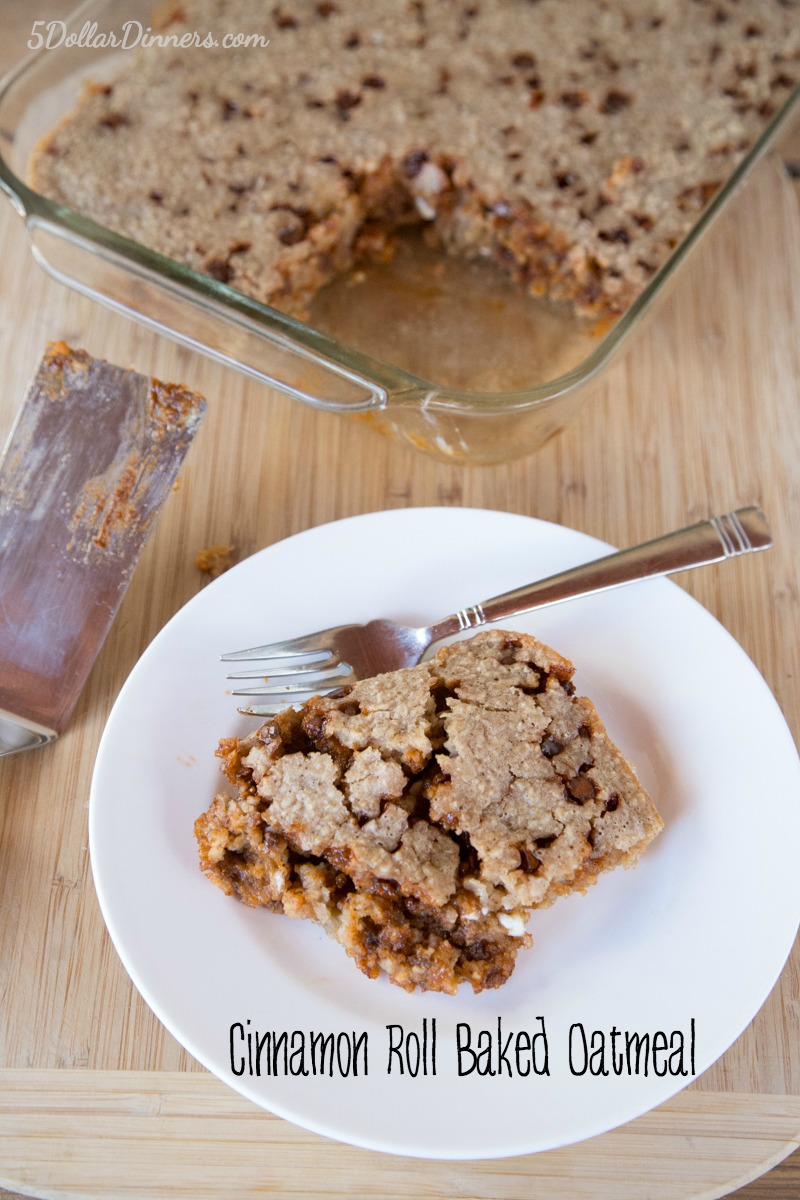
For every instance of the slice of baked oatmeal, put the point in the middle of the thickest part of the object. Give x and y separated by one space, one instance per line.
420 816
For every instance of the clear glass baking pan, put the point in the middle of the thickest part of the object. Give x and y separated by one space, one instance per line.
448 356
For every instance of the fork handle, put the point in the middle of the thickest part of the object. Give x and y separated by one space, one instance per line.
728 536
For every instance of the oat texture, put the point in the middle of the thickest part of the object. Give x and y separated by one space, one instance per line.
420 816
574 142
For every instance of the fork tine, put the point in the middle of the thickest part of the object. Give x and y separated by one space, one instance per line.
312 643
297 689
324 668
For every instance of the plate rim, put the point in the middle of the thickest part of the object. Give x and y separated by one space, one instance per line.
275 1106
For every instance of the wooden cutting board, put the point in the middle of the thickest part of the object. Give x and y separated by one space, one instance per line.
700 415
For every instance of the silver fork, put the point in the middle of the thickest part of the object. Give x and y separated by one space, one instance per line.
333 658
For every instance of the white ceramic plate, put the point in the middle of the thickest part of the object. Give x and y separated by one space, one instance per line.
697 932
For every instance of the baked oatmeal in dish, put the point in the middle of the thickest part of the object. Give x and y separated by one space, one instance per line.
420 816
574 142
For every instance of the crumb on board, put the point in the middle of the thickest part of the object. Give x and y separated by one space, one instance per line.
215 560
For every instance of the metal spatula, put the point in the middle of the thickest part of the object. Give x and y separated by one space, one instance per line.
93 454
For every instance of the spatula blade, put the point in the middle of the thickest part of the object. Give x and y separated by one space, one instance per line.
92 456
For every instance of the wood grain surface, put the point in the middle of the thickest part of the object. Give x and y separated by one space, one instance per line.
699 415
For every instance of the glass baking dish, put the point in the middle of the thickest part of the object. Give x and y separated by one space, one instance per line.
478 373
